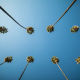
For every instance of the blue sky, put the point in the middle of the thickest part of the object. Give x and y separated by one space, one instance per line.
41 45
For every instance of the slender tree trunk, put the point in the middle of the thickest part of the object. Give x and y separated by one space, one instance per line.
62 71
2 63
23 71
11 17
65 11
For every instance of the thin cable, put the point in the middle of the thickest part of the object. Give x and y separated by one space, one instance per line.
65 11
11 17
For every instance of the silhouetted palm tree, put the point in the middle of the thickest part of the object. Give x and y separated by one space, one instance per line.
74 29
7 59
29 31
29 60
50 28
78 60
55 60
3 30
62 15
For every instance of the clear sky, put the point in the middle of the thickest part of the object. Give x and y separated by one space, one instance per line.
41 45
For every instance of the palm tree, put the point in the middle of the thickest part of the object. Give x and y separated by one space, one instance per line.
7 59
3 30
74 29
50 28
62 15
78 60
55 60
30 31
29 60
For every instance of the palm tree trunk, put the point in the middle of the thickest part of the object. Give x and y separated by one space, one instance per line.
11 17
62 71
65 11
2 63
23 71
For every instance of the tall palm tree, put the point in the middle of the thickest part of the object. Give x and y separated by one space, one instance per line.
29 31
61 16
7 59
29 60
74 29
55 60
3 30
78 60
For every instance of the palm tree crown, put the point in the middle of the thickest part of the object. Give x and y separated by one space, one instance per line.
50 28
30 59
74 29
8 59
78 60
30 30
55 60
3 30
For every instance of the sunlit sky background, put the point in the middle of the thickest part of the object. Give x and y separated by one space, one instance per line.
41 45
